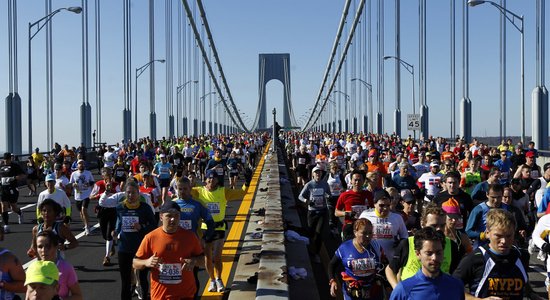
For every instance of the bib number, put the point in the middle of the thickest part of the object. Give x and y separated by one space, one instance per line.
186 224
214 208
128 223
170 273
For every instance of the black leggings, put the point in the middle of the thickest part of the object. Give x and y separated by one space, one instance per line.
125 267
107 222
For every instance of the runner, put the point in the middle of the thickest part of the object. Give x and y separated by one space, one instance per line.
82 181
429 282
171 253
389 227
497 269
214 196
163 171
58 196
10 174
12 274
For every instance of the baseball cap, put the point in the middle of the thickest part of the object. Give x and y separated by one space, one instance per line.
415 149
530 154
407 196
162 155
79 161
434 164
451 207
372 152
169 206
210 174
50 177
381 194
316 168
41 271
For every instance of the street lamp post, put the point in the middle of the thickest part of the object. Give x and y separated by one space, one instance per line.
507 13
346 121
45 20
140 71
179 89
204 105
410 69
366 116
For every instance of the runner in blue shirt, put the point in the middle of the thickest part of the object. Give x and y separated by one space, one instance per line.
429 282
163 171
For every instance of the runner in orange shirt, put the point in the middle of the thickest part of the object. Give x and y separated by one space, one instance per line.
375 165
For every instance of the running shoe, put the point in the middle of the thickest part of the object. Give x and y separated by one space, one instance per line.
106 261
219 284
212 286
86 230
138 292
6 229
21 220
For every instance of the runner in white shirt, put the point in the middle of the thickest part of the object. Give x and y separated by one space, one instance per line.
421 166
389 227
58 195
109 158
431 181
82 181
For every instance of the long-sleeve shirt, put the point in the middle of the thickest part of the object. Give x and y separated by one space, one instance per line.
315 194
129 237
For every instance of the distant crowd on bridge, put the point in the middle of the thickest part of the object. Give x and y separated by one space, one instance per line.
422 219
160 206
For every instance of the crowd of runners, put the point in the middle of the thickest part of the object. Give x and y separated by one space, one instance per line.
160 205
428 219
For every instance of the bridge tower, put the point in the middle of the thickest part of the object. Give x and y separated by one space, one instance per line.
275 66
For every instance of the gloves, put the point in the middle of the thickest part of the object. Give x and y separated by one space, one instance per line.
67 220
546 248
482 236
40 220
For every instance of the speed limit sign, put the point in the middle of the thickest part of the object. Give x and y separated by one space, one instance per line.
413 121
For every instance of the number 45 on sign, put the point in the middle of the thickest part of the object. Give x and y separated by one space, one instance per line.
413 121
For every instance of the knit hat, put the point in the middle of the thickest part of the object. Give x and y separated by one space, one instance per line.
451 207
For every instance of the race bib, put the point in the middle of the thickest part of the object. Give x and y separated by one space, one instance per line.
301 161
165 171
176 161
219 171
318 198
203 160
120 173
186 224
170 273
128 223
214 208
358 209
383 231
363 266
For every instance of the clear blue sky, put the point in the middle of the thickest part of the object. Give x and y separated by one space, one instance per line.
245 28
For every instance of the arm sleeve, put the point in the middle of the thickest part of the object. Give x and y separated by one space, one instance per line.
304 194
400 256
471 224
535 185
334 266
